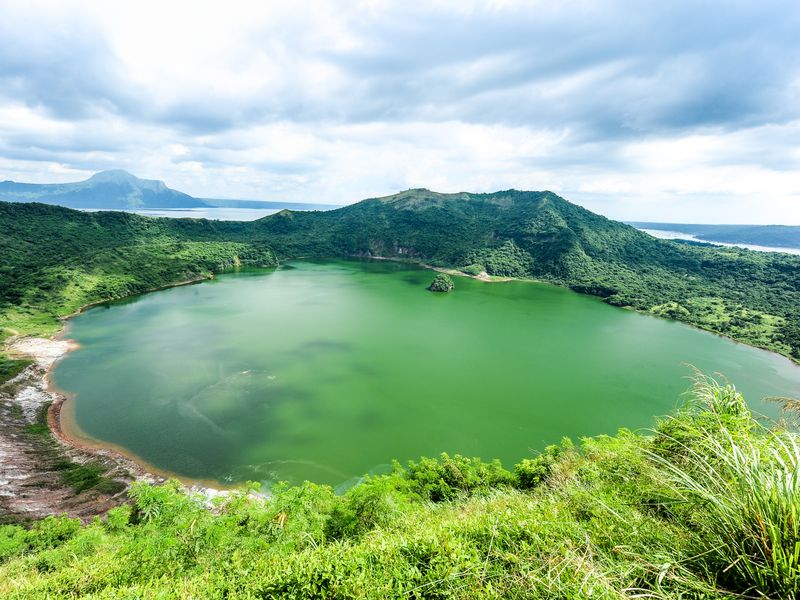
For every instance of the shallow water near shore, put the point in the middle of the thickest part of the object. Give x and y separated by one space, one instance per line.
327 371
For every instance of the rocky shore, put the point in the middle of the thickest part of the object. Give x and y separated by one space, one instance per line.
32 462
35 452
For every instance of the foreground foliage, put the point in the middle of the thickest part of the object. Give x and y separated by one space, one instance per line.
704 507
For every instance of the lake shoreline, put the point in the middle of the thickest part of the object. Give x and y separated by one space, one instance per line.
47 352
31 484
486 278
31 392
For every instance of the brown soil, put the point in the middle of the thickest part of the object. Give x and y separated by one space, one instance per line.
31 460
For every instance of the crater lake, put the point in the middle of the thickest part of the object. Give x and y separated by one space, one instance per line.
327 371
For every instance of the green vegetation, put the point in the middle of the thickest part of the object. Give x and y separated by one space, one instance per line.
87 477
442 283
473 269
56 260
9 367
705 506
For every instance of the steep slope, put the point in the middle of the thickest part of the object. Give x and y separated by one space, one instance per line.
748 296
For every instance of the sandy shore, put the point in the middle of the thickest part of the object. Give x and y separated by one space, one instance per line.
482 276
30 481
31 485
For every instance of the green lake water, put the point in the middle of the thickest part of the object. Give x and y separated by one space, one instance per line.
327 371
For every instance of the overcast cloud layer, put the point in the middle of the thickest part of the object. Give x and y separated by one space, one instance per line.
674 111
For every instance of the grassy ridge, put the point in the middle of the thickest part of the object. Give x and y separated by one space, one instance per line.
674 514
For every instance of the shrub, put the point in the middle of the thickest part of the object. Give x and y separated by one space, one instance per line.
473 269
744 491
443 479
442 283
372 503
531 472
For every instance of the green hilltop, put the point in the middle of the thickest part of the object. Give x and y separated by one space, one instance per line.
56 260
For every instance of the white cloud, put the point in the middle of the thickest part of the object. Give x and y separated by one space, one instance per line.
677 112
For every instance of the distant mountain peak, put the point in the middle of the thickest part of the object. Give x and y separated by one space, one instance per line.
115 176
115 188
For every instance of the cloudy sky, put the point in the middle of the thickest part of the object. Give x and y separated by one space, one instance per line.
673 111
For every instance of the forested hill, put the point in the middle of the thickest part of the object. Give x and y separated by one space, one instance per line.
55 259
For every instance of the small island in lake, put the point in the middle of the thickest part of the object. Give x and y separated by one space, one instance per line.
442 283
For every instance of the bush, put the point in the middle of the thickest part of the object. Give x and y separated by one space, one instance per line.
442 283
373 503
444 479
743 489
473 269
531 472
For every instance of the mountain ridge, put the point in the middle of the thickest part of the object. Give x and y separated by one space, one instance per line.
748 296
118 189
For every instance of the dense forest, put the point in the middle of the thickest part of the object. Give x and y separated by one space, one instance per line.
703 507
56 260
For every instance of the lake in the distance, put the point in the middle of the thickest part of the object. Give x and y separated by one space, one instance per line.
327 371
666 234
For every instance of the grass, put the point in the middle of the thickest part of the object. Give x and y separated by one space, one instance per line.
9 367
83 477
705 506
748 486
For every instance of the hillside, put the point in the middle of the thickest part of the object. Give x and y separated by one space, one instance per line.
57 259
745 295
776 236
